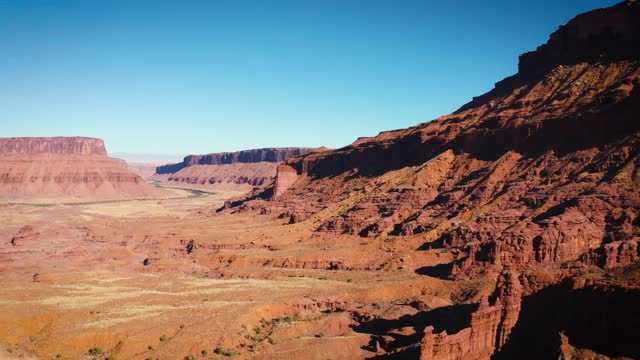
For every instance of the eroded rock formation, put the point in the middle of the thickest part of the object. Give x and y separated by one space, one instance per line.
489 328
285 177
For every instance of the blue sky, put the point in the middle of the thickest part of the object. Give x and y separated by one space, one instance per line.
186 76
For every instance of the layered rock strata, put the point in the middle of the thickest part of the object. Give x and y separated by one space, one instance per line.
67 169
242 170
541 170
489 328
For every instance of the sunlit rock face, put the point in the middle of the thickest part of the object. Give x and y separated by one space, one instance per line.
65 168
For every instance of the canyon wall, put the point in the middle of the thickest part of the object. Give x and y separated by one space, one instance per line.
274 155
541 170
599 314
240 171
236 176
539 176
595 314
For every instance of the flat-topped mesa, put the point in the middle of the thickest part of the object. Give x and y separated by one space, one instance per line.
66 169
52 145
274 155
600 35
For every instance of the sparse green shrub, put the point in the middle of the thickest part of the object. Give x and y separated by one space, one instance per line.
189 357
319 335
204 353
94 351
181 326
58 356
110 357
223 352
163 338
323 278
150 347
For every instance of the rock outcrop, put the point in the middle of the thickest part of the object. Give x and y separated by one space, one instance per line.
489 328
65 169
285 177
242 170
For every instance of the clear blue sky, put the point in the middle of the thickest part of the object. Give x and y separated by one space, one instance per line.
188 76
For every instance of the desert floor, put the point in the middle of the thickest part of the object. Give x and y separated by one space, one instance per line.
170 278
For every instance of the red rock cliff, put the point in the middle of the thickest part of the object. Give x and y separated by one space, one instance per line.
274 155
489 328
65 169
540 170
52 145
285 177
242 170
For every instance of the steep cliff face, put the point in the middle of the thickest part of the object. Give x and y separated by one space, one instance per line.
596 314
582 316
242 170
65 169
52 145
236 176
285 177
273 155
543 169
489 328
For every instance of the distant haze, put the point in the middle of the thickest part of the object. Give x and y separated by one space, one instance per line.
158 159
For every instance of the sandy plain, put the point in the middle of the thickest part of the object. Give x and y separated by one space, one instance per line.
169 279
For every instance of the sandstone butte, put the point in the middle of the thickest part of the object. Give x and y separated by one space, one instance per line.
534 183
241 170
66 169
